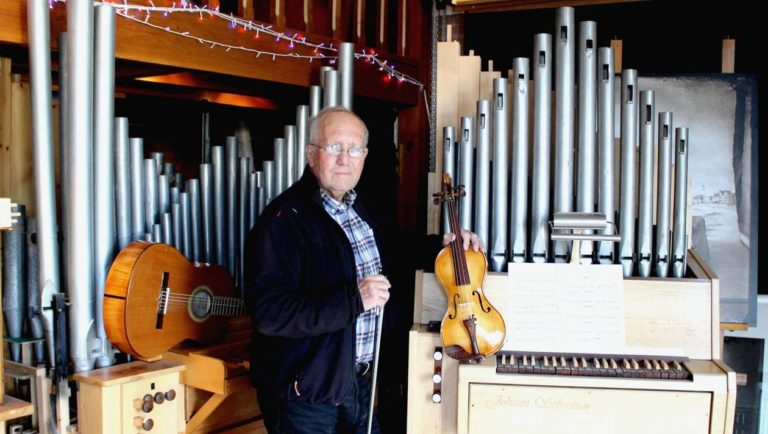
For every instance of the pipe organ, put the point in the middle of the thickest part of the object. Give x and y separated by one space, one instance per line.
574 135
554 153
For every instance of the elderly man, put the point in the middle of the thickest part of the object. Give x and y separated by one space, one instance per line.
317 260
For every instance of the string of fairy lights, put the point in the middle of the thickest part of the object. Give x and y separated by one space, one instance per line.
147 15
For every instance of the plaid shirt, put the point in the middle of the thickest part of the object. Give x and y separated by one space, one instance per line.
367 263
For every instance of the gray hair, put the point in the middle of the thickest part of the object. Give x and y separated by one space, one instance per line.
316 120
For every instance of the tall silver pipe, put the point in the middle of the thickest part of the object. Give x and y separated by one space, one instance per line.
159 158
138 214
483 170
42 137
261 195
449 167
219 206
157 232
208 235
606 176
664 207
269 181
323 70
302 138
565 32
34 308
315 100
163 194
243 217
14 287
169 170
679 236
645 192
542 120
186 225
176 229
151 190
174 194
280 163
499 174
80 260
253 201
290 155
347 72
233 207
122 183
64 115
464 164
628 199
167 225
105 246
195 220
518 225
585 197
331 88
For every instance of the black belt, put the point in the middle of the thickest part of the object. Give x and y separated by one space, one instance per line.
362 368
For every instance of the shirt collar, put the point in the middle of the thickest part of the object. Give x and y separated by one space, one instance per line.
333 206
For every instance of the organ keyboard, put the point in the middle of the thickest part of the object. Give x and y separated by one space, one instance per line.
592 365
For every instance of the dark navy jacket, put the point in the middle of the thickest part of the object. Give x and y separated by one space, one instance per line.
303 298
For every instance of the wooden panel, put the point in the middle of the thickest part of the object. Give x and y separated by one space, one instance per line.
294 14
728 64
277 12
12 408
618 47
5 127
425 416
659 313
21 161
447 114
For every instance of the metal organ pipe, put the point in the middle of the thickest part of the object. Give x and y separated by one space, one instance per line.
645 192
186 225
42 136
233 206
679 237
605 200
315 100
664 207
290 155
628 199
122 183
269 181
498 241
449 167
346 72
138 214
176 229
105 243
483 170
542 78
14 266
585 201
564 75
242 219
331 88
208 234
80 261
465 163
195 219
518 225
219 206
280 163
150 204
302 137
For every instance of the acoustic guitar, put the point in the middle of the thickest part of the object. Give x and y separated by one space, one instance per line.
155 298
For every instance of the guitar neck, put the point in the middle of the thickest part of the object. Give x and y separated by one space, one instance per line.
228 306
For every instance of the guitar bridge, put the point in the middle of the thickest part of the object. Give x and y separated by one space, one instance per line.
162 302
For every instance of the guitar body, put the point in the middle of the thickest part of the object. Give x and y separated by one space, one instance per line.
468 301
133 292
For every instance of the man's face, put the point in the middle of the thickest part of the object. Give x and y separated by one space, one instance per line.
337 174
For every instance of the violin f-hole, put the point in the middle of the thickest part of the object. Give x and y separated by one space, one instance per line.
455 307
480 300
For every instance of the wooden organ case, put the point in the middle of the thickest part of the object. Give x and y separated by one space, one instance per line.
445 396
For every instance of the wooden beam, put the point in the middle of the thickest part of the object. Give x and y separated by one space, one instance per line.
618 46
277 12
728 65
132 43
245 9
381 24
359 23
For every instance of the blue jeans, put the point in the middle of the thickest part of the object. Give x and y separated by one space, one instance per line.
296 417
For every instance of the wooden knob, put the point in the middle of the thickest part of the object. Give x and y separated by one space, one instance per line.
170 395
145 424
144 405
159 397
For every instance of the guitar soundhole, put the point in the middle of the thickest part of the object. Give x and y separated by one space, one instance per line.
200 304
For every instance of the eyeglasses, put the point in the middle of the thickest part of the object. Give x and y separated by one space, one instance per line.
335 149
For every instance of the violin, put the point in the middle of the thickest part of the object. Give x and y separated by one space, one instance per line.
472 328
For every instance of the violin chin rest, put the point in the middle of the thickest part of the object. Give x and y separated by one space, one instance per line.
459 353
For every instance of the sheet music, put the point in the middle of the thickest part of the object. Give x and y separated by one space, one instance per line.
565 308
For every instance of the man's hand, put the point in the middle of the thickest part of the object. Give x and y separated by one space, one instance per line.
374 290
468 238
